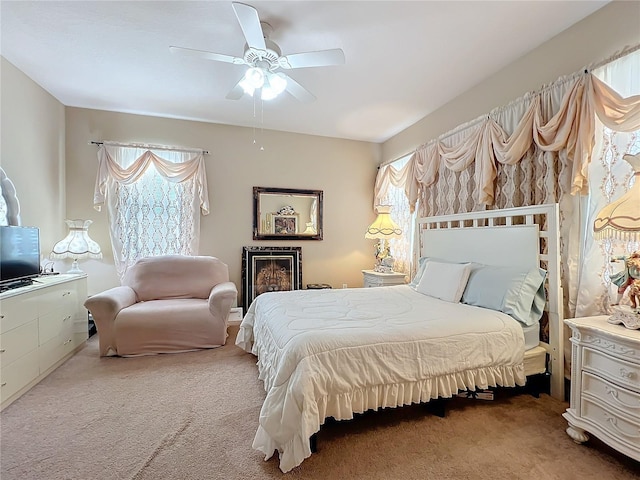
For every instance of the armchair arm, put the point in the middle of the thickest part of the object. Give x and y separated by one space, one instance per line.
104 307
221 298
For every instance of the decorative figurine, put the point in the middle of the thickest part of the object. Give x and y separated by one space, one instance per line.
384 260
628 278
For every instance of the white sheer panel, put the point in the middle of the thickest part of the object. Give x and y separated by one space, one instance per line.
610 177
153 199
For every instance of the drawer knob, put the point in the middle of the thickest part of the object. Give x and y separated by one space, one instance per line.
66 318
64 294
2 350
3 384
67 342
627 373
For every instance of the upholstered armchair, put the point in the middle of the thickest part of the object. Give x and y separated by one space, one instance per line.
166 304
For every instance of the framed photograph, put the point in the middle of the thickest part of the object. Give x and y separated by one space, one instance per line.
285 224
269 269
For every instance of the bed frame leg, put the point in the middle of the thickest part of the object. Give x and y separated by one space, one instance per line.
437 407
313 443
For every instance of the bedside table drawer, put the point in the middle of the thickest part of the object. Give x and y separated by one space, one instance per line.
612 394
372 278
613 422
612 368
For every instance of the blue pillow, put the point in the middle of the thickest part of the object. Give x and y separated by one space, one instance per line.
515 291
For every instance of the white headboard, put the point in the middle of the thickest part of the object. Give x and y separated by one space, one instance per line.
525 236
488 245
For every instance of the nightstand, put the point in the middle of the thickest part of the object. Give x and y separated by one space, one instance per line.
605 384
377 279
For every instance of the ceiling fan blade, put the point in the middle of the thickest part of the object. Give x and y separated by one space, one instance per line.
218 57
298 91
236 92
250 25
321 58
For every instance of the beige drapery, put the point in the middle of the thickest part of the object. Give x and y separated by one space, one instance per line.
571 129
170 171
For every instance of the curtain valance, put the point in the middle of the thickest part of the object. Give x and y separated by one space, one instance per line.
170 171
571 128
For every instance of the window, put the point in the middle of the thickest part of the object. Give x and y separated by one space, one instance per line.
401 248
153 198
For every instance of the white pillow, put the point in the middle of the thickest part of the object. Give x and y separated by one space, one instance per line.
445 281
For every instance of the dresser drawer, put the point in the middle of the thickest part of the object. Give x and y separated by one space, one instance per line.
17 375
622 427
18 342
60 297
52 324
618 397
55 349
612 368
18 310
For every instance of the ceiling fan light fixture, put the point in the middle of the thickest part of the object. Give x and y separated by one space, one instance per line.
274 85
254 77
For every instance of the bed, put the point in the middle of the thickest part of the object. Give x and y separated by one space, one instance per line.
333 353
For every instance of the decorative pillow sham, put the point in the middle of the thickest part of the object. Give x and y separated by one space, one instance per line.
422 264
445 281
514 291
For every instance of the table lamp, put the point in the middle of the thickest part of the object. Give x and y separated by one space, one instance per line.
383 228
621 220
76 244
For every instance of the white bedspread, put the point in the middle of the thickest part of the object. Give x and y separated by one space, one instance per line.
332 353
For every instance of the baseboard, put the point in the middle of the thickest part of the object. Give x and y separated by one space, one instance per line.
235 316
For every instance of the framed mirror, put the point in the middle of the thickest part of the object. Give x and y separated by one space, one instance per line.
287 214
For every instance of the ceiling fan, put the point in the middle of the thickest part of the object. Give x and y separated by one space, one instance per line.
265 60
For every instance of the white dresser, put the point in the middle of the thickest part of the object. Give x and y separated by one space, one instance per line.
605 384
41 325
372 278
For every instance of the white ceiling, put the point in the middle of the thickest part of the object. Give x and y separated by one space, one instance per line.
403 59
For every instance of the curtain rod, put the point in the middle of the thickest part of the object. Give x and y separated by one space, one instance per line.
151 147
563 79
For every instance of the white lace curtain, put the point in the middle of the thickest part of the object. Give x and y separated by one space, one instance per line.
153 199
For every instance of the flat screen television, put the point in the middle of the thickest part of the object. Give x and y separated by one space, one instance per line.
19 253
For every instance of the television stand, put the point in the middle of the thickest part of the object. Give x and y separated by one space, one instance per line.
24 282
43 325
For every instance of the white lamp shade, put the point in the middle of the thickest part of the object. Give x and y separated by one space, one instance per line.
621 219
383 226
77 243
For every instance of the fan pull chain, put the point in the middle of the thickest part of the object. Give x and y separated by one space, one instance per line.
261 123
254 120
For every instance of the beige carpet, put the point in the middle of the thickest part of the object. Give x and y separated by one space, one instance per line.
193 416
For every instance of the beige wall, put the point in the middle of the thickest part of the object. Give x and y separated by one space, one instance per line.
345 171
46 151
33 151
595 38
